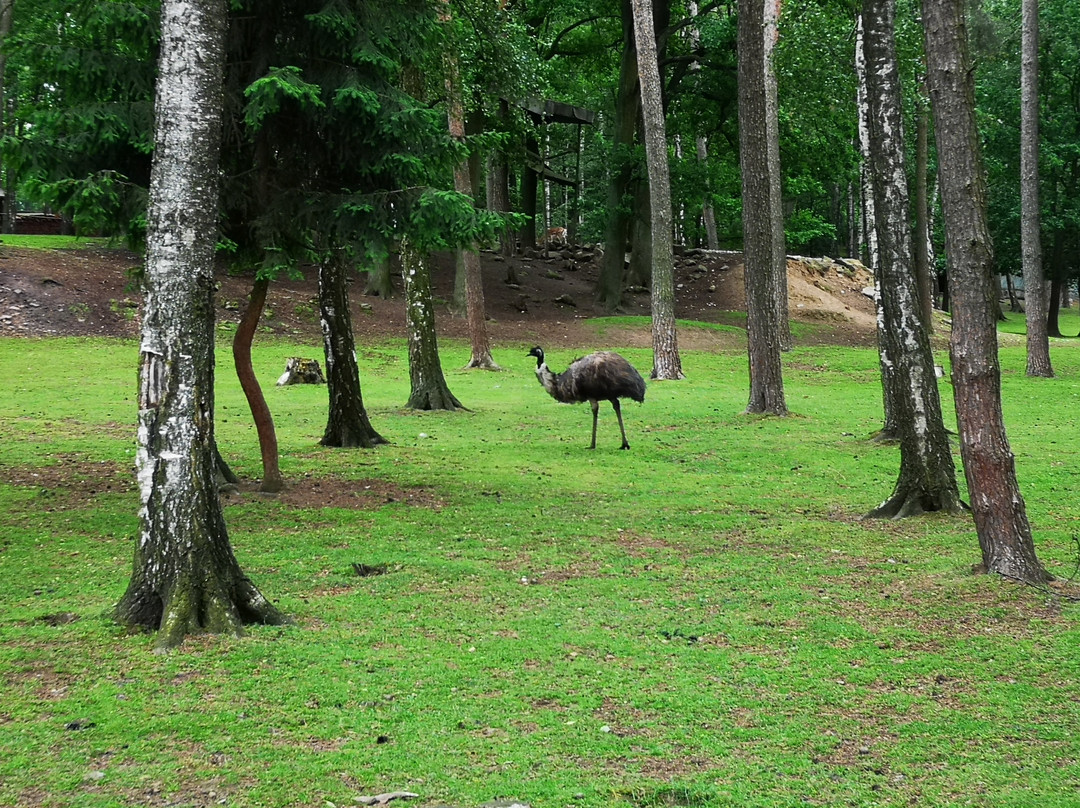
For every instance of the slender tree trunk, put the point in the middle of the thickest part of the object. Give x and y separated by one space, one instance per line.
666 361
529 181
712 239
1035 283
468 259
890 430
498 184
428 388
609 286
927 479
1000 516
7 214
1014 301
347 423
249 383
379 282
762 254
922 211
639 272
185 579
778 276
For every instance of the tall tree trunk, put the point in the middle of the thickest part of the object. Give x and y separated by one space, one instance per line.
249 383
185 578
639 272
529 181
927 479
347 423
1000 516
609 286
1036 287
379 282
428 389
498 184
922 210
468 259
778 277
666 361
890 430
708 215
7 214
760 201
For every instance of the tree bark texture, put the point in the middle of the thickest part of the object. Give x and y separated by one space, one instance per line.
7 215
998 507
347 422
1036 286
708 214
249 383
927 480
379 283
185 578
890 430
666 361
760 199
922 211
428 389
468 260
609 286
772 123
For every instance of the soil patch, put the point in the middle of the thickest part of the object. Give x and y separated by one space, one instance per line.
541 297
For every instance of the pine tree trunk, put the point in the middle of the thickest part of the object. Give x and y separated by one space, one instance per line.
609 286
428 389
1036 287
1000 516
185 579
712 239
760 186
347 423
379 283
927 479
7 214
666 361
778 277
467 260
249 383
922 212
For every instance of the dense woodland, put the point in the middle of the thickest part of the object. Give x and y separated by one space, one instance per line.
339 134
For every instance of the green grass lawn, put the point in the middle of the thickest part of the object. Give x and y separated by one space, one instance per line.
703 620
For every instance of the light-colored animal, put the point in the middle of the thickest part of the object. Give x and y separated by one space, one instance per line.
556 235
601 376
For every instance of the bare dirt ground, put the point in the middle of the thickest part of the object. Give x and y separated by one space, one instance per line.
89 292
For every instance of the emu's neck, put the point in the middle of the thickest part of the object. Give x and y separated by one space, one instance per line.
546 377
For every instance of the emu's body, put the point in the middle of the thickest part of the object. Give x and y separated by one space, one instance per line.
602 376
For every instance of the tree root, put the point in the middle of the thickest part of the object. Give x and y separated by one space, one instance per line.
913 502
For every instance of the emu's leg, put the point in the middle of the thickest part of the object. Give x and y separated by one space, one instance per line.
618 414
595 408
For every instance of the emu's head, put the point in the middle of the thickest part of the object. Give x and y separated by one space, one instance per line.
538 352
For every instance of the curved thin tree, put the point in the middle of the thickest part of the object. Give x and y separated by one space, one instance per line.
185 579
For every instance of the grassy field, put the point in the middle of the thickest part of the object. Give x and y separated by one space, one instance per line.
701 621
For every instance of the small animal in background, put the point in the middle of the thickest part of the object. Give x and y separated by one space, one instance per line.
556 235
601 376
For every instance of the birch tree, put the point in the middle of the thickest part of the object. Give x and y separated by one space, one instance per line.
185 578
1000 515
927 480
666 361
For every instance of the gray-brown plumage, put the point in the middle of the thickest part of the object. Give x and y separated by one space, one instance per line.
602 376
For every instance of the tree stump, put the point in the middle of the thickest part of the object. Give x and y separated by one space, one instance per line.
301 371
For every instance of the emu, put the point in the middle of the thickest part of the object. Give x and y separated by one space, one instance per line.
602 376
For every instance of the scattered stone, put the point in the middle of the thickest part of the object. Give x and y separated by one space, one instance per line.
368 570
382 799
566 300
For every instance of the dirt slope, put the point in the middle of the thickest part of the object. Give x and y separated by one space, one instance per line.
89 292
